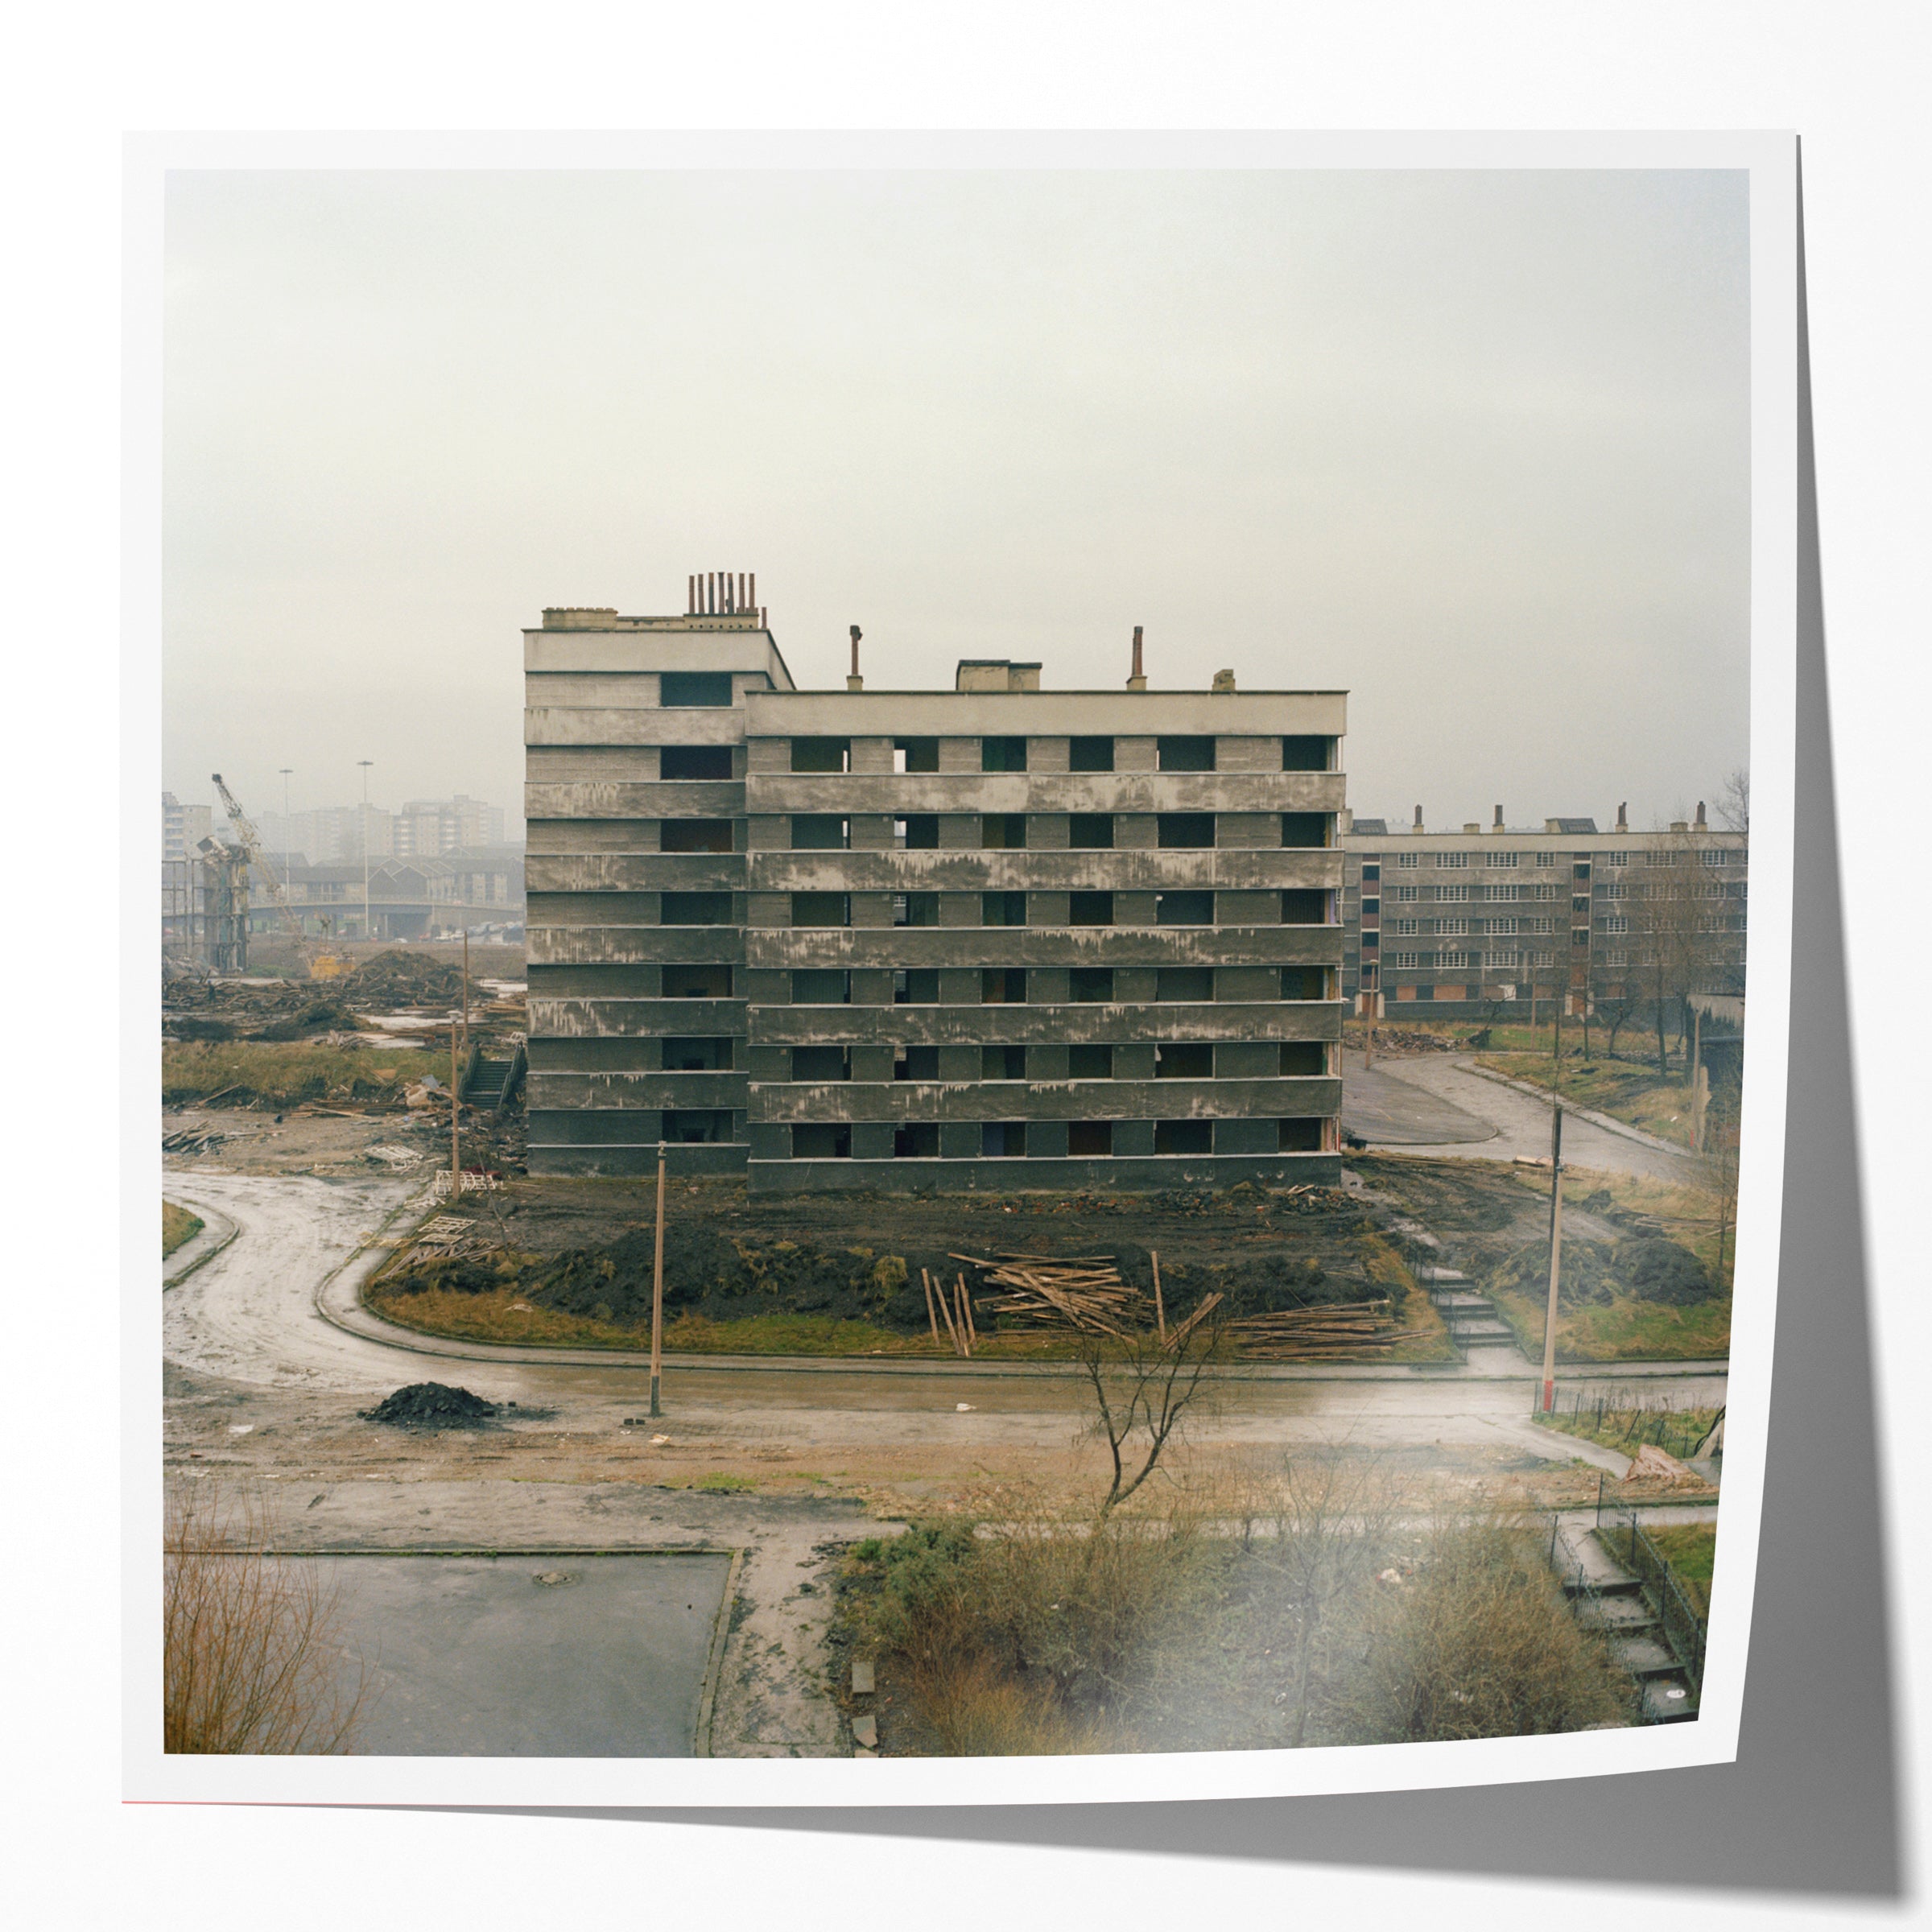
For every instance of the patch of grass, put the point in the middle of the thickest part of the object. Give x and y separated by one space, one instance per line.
284 1073
718 1484
1628 1427
178 1228
1618 1088
1411 1308
1690 1550
1620 1330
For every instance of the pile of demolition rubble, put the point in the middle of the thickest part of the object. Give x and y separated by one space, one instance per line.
431 1405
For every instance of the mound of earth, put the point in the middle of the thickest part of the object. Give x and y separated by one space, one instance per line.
1647 1268
431 1406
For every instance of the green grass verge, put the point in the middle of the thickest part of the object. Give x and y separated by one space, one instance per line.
178 1228
1627 1430
283 1073
1690 1550
1621 1330
1621 1088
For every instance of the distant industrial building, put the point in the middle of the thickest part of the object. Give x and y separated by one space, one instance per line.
1441 923
997 936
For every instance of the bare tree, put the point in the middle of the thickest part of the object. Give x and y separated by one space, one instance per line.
1734 800
1143 1387
1681 950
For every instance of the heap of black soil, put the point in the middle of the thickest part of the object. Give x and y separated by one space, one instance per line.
1648 1268
431 1406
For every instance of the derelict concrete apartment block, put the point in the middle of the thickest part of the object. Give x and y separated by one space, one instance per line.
635 730
994 937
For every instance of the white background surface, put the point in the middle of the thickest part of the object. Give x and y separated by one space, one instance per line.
1850 82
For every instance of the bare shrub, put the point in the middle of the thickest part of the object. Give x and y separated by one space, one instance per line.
977 1710
249 1656
1143 1386
1480 1643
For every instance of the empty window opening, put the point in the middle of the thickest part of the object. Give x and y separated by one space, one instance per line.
690 1128
1090 754
1194 984
1002 754
1002 909
1090 831
1089 1140
915 754
821 909
1003 986
1303 752
1186 754
916 1063
1002 1062
1003 1140
695 689
694 909
917 986
915 909
1304 906
822 1141
821 754
916 1140
1183 908
705 982
694 835
1305 1059
1090 985
1183 1060
1185 828
1090 1062
821 1062
1003 831
708 1055
1304 982
1302 1135
1184 1136
1090 909
819 832
695 762
817 986
1305 830
917 832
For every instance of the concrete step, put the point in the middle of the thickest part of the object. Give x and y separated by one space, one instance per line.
1645 1656
1662 1707
1620 1615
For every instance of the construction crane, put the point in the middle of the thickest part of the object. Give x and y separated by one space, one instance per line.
320 965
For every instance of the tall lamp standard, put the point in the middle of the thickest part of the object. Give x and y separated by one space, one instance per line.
287 771
366 763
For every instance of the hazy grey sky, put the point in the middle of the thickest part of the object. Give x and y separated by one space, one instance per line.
1473 446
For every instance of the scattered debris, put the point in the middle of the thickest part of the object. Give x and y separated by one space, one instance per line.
431 1406
555 1579
1652 1464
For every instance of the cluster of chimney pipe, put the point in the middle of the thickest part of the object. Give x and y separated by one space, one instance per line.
723 593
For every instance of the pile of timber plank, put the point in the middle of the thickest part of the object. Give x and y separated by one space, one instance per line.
1313 1335
1071 1291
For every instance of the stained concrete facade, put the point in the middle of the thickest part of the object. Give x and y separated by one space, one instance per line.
994 937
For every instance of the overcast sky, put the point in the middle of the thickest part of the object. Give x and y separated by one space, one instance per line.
1473 446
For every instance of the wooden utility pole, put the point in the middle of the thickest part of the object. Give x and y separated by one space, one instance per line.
1160 1311
657 1295
455 1158
1556 1255
1368 1039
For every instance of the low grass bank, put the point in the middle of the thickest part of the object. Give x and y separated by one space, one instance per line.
178 1228
1690 1550
285 1073
1630 1426
1623 1089
1621 1330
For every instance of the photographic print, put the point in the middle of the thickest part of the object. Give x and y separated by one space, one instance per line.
963 976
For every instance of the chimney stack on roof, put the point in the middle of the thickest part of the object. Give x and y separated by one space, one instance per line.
1622 824
1418 819
1224 681
855 682
1498 825
1137 679
1701 825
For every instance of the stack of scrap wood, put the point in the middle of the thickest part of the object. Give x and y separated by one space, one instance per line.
447 1236
1315 1334
1071 1291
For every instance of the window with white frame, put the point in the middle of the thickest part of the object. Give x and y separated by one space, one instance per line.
1452 861
1545 858
1501 928
1455 928
1616 958
1539 926
1616 923
1508 860
1616 858
1405 895
1542 892
1406 962
1404 928
1407 862
1492 960
1452 895
1502 894
1539 959
1715 855
1452 962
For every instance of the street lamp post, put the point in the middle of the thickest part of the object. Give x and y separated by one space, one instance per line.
366 763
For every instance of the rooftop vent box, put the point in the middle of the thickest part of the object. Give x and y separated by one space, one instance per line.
995 674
